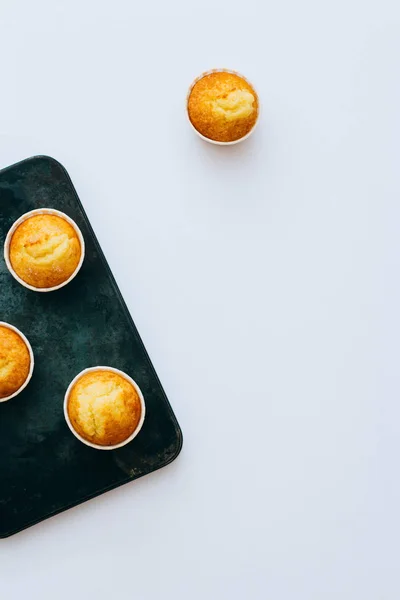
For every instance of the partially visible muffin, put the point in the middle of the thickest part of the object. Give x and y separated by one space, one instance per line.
45 250
223 106
15 362
104 408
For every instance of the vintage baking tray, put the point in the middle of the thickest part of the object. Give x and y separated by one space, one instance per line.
44 469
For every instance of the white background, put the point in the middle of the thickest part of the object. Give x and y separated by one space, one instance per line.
263 278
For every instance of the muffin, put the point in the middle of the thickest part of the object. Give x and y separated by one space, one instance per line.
104 407
15 362
45 250
222 106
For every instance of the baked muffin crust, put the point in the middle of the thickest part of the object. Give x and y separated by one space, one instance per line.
45 250
15 362
223 106
104 408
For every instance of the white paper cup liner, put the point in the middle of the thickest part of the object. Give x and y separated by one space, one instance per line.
32 359
131 381
203 137
32 213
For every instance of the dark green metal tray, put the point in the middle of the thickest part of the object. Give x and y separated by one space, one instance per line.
44 469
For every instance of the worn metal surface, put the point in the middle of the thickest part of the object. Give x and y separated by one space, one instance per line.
44 469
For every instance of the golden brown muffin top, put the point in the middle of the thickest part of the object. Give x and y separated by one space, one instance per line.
104 408
15 362
45 251
223 106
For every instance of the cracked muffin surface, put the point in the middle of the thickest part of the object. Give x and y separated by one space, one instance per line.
15 362
104 408
45 251
223 106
